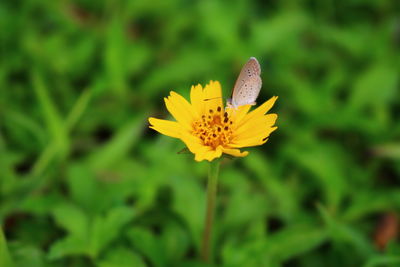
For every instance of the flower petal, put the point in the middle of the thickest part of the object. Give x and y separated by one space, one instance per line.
182 111
237 114
212 96
200 154
197 99
169 128
235 152
253 140
241 113
255 126
192 142
213 154
208 154
261 110
174 129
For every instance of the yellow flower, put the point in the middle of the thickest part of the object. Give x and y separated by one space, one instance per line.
208 129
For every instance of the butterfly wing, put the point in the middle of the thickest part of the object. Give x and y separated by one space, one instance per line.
249 92
248 84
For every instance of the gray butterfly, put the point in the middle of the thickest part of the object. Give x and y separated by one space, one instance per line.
247 86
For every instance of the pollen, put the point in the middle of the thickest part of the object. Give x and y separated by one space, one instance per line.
213 128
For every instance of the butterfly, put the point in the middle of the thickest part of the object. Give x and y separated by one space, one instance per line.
247 86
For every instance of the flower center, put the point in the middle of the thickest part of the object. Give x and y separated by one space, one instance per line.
214 128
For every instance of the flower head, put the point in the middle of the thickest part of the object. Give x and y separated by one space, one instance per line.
208 129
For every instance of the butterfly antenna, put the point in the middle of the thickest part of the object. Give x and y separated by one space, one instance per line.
208 99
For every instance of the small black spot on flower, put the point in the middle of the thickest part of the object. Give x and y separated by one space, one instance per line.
219 109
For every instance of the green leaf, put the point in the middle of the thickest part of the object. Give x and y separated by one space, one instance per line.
41 204
326 163
5 258
115 55
119 145
50 152
378 200
281 194
273 250
294 241
70 245
121 257
383 260
391 150
243 206
376 86
106 229
187 190
281 28
83 186
146 243
184 150
27 255
344 233
87 236
176 241
72 219
52 117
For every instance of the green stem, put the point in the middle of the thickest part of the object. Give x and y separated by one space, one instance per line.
211 198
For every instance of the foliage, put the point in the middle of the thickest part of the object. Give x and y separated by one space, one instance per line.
84 182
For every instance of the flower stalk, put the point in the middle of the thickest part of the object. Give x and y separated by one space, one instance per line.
211 200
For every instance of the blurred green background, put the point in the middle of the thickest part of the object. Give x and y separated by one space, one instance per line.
84 182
